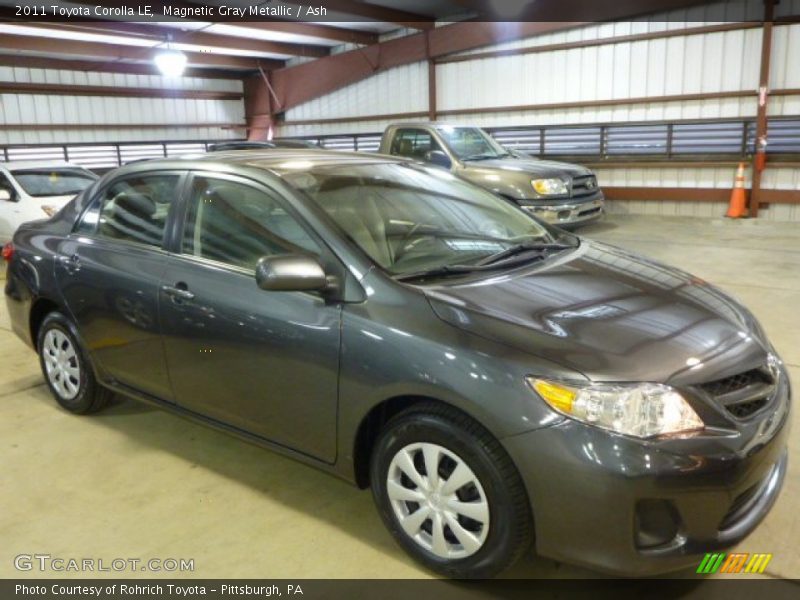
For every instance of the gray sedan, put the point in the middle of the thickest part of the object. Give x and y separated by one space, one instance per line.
497 382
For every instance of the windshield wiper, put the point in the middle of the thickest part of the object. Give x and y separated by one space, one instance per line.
438 272
540 247
485 156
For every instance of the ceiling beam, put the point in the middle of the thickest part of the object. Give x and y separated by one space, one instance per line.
198 38
325 32
113 126
560 10
328 31
60 89
115 52
99 66
375 12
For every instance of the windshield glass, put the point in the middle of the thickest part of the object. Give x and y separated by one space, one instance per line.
53 182
409 217
471 143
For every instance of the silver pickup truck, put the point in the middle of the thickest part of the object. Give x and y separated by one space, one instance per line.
559 193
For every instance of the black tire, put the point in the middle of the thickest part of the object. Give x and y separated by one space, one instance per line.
89 396
510 528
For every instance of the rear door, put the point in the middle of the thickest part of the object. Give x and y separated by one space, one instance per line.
109 271
264 362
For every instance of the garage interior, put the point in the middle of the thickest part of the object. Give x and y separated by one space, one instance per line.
664 102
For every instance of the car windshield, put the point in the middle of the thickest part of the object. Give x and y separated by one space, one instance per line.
410 218
53 182
471 143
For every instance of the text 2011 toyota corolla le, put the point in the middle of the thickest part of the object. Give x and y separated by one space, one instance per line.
497 382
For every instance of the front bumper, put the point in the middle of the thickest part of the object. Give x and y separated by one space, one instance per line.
569 212
635 507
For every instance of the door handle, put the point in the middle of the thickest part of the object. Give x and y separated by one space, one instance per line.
177 293
72 262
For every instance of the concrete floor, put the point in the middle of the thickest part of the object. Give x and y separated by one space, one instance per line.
135 482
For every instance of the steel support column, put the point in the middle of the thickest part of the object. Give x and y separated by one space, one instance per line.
258 106
761 118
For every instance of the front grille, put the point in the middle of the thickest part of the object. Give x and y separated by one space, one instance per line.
585 185
737 382
745 409
743 394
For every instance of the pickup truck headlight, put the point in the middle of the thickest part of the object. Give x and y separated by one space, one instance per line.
641 410
549 187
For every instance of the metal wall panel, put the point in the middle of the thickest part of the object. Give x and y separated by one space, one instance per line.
714 62
45 109
402 89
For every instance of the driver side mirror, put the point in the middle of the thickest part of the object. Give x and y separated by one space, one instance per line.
6 195
291 273
438 158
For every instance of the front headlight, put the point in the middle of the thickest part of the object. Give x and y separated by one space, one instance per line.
549 187
641 410
49 209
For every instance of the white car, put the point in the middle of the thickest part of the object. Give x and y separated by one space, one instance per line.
37 190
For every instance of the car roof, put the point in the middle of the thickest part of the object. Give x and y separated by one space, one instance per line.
38 164
276 160
242 144
434 124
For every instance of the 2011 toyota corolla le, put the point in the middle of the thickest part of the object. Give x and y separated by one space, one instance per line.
496 381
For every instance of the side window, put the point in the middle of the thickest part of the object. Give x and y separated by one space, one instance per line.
414 143
133 210
237 224
5 184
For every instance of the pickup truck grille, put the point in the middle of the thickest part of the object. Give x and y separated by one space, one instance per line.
584 185
742 394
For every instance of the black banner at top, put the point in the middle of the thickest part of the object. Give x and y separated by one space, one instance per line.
400 13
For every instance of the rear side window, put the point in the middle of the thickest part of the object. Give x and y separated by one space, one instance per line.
413 142
134 209
5 184
237 224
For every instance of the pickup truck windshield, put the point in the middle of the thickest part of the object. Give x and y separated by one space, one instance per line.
471 143
410 218
53 182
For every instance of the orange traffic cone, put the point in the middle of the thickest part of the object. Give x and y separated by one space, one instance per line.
736 206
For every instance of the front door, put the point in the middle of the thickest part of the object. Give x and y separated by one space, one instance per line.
264 362
109 271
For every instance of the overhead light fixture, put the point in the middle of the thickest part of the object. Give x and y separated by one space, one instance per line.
171 63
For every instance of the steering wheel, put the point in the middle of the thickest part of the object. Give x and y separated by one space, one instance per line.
404 247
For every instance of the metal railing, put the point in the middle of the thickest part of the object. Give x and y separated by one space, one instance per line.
102 156
687 140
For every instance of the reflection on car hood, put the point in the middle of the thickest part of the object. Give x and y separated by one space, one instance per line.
533 167
610 315
58 201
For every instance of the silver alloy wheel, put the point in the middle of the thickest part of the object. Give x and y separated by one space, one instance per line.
438 500
61 364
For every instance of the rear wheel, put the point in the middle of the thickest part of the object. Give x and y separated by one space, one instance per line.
66 369
449 493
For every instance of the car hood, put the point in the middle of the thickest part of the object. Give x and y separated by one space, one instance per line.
57 201
611 316
526 167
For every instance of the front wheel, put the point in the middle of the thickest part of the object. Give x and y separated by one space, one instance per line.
66 370
449 493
